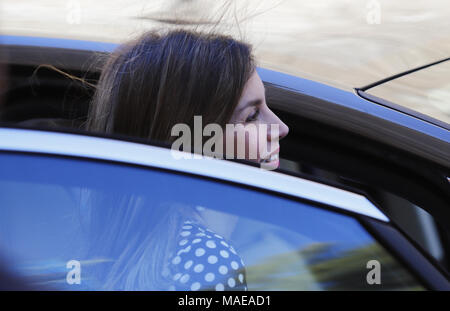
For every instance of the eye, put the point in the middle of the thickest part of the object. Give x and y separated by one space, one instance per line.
253 116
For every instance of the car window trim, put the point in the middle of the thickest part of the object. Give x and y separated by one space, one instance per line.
34 141
403 109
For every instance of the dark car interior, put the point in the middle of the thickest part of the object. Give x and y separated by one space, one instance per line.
407 187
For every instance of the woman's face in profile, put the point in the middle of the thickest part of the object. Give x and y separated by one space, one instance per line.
252 110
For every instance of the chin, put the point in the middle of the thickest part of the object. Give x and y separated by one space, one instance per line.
270 165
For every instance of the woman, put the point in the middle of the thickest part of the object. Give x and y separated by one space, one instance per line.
147 87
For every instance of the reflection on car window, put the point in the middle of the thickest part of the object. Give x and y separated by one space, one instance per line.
86 225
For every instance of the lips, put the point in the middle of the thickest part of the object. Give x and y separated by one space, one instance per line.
274 156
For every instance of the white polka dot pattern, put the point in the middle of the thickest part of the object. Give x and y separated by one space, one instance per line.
176 260
223 270
188 264
211 244
176 276
209 277
204 261
234 265
195 286
199 252
184 278
224 254
199 268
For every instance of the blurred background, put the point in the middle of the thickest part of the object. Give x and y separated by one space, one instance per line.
344 43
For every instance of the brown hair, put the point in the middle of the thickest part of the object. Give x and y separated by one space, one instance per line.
150 84
146 87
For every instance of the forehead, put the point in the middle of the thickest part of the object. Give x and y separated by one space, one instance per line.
253 89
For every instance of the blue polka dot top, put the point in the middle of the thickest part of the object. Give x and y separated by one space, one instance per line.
204 260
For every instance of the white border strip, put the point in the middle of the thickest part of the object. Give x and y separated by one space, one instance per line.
134 153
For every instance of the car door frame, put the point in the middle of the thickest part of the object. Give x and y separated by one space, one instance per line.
424 269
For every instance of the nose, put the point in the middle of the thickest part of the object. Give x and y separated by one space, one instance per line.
283 129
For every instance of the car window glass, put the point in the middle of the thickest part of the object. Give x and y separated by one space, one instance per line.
125 227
